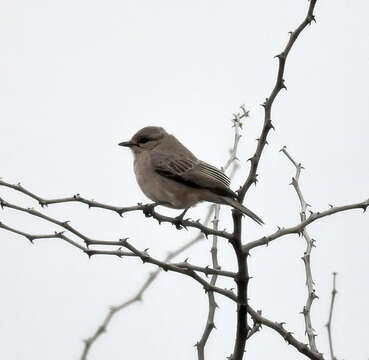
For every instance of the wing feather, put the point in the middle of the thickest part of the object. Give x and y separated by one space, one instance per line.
192 172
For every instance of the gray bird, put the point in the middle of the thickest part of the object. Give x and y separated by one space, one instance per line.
169 174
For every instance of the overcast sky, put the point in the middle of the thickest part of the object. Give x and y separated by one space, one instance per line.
77 77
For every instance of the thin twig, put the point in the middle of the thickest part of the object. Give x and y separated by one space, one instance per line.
306 258
287 335
329 324
298 229
279 85
209 326
211 297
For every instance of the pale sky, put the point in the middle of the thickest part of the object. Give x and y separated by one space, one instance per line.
77 77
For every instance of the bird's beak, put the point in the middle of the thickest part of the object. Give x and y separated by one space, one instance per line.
127 144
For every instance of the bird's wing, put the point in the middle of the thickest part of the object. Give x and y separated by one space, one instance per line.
192 172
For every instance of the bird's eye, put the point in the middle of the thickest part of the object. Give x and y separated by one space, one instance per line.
144 140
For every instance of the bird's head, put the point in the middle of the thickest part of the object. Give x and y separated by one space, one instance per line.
145 139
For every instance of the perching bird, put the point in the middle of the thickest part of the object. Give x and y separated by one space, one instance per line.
169 174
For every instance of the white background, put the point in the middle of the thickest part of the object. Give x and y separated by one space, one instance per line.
77 77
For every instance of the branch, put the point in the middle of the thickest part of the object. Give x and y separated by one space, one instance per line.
242 281
241 251
299 228
287 335
279 84
61 235
64 224
329 324
237 125
185 270
147 209
306 258
211 298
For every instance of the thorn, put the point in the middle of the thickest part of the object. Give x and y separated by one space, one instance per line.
42 203
123 241
30 238
283 85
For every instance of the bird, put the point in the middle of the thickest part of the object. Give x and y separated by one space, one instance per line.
171 175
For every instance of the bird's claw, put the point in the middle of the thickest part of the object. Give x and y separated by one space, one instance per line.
148 209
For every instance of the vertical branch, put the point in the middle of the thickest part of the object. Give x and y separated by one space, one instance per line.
211 298
306 258
242 281
329 324
243 275
279 85
237 125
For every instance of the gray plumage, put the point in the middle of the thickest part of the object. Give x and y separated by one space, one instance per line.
168 172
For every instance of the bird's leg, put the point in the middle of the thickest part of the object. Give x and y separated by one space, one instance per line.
149 208
178 220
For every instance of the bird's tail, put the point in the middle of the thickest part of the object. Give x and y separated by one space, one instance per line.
235 204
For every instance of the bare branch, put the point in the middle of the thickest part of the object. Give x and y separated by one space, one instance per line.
147 209
64 224
61 235
279 84
185 270
237 125
299 228
329 324
306 258
211 298
287 335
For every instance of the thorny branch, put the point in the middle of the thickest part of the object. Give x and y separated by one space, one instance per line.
211 297
298 229
182 268
237 125
147 209
279 85
306 258
242 253
287 335
329 323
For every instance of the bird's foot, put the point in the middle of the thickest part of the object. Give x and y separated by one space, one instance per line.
178 220
148 209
